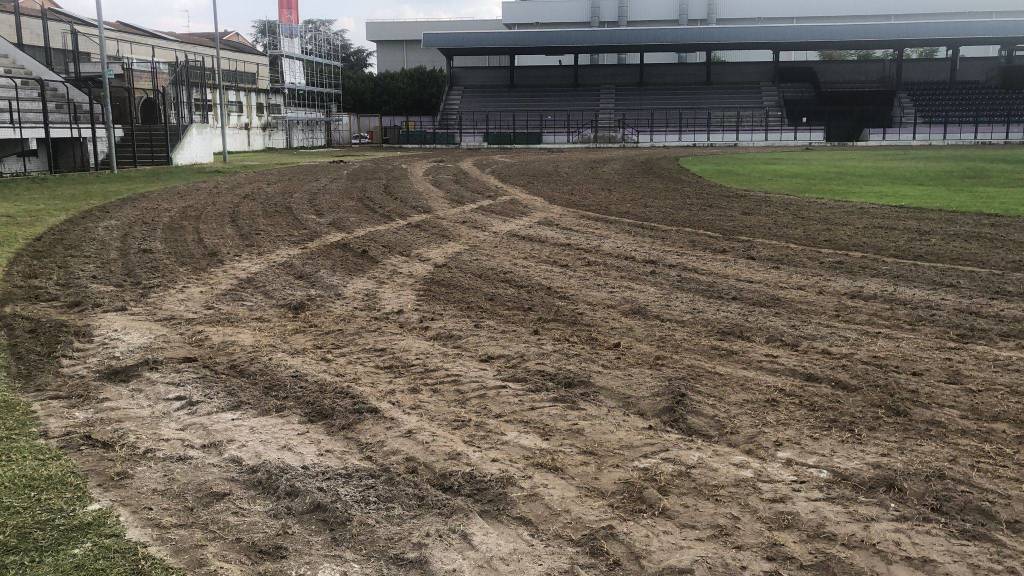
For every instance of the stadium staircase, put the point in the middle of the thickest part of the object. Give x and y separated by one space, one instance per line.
606 117
152 146
451 108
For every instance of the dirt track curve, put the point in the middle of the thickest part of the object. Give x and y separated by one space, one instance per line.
516 363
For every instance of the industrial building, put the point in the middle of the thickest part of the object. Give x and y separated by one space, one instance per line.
398 42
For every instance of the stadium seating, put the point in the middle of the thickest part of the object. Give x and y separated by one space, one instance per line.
642 107
21 101
964 102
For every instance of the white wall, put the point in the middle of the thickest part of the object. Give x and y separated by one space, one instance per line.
201 142
399 42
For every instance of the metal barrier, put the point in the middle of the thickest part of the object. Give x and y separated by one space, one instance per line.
684 126
625 127
952 128
46 112
51 127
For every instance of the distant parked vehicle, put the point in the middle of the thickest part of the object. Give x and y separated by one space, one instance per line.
360 139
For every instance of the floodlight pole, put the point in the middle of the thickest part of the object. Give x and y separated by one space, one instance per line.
220 86
107 113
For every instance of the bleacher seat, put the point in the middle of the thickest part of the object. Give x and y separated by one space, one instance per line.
660 107
965 102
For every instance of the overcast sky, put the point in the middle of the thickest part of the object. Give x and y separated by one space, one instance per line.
238 14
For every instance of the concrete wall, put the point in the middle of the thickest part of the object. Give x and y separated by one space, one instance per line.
201 142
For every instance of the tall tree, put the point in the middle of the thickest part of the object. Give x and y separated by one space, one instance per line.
263 34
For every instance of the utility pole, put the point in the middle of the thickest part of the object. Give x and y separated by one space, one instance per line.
107 113
220 87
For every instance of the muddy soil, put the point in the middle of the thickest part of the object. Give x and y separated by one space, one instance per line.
533 363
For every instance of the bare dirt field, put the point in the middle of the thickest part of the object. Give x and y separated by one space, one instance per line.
534 363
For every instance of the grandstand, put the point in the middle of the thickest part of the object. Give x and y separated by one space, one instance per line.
44 121
866 79
612 113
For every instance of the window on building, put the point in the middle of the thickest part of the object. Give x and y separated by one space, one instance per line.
235 107
200 105
261 109
276 110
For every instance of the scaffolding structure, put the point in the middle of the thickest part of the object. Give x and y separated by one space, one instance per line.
306 69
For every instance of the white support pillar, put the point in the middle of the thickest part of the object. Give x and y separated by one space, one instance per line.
684 20
712 18
623 22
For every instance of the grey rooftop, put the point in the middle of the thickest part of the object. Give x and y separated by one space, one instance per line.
868 36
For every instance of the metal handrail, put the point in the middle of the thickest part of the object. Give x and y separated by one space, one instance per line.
73 118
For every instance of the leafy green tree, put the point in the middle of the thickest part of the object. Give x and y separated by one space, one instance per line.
923 53
413 91
263 33
863 55
836 55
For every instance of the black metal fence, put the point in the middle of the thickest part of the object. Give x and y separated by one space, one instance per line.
48 127
684 126
623 127
953 126
52 127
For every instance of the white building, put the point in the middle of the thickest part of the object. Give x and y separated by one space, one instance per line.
398 41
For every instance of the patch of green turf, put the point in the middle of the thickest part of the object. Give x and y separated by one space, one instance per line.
48 525
963 179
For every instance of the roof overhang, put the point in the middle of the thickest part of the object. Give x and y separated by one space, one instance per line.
786 37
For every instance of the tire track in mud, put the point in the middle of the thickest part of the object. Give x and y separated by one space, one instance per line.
527 197
198 291
394 281
477 377
482 390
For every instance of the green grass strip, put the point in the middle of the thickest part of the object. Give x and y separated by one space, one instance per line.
983 179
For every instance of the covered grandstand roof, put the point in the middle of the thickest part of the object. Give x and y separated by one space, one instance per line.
868 36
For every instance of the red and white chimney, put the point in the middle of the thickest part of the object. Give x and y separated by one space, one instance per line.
288 20
288 12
